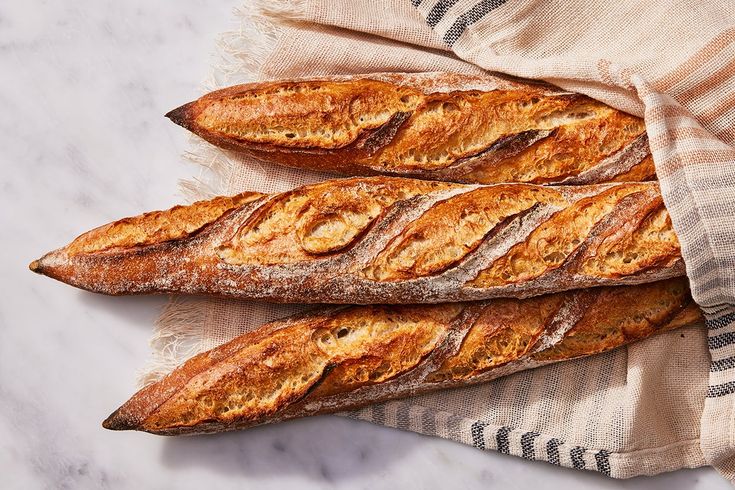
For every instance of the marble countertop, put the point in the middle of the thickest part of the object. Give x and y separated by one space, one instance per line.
83 86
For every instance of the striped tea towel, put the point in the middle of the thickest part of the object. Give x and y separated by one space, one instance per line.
674 64
645 409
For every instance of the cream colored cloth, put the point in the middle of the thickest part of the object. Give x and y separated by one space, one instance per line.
645 409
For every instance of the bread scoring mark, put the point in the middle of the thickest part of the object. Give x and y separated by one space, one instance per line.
306 114
506 330
244 384
643 171
471 122
451 229
158 226
549 245
504 147
628 250
372 141
332 230
622 315
380 344
316 220
575 147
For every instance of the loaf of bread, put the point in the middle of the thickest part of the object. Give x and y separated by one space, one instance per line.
383 240
350 357
439 126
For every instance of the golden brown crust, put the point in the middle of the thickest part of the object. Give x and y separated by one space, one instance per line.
176 223
640 172
450 230
388 240
569 151
337 359
438 126
344 212
548 247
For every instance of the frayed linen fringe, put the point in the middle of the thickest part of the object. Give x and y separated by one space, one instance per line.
177 336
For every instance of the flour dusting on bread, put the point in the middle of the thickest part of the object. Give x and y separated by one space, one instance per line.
385 240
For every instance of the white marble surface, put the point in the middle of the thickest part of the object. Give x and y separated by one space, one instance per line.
83 86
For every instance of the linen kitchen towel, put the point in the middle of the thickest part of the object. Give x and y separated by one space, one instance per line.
652 407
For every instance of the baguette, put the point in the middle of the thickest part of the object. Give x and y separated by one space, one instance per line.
438 126
350 357
383 240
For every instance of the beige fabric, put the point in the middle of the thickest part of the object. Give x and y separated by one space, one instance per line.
630 412
673 64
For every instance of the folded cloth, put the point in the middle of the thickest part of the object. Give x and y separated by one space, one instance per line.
655 406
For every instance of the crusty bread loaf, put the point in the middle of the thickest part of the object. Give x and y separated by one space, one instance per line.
438 126
383 240
350 357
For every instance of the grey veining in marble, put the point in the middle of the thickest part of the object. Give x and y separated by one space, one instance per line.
83 86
